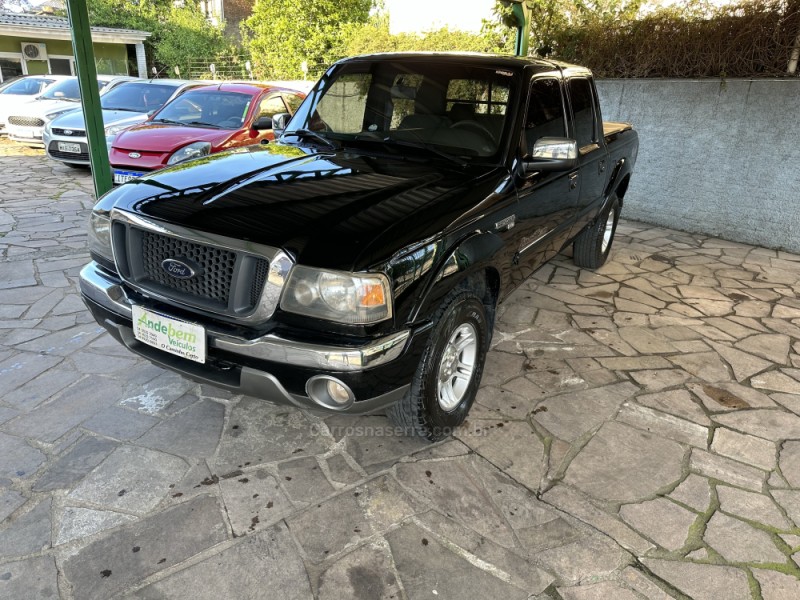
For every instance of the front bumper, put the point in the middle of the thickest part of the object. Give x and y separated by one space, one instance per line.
32 136
81 158
269 366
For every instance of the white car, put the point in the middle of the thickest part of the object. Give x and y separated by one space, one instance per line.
128 104
21 91
26 123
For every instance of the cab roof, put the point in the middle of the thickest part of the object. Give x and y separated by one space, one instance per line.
501 61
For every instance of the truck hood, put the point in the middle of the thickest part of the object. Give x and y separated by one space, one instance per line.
157 137
337 210
74 120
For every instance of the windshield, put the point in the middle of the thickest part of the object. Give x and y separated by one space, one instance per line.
137 97
445 107
29 86
213 108
67 90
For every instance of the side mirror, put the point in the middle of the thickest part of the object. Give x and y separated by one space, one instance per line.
263 123
552 154
279 122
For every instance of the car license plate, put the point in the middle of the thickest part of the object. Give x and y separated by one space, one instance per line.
126 176
187 340
65 147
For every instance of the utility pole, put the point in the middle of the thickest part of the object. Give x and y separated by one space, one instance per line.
90 94
521 13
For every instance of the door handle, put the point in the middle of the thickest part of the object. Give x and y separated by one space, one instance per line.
573 181
601 166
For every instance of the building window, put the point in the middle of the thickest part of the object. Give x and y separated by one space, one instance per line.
10 68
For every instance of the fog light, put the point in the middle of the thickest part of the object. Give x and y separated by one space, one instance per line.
329 392
338 392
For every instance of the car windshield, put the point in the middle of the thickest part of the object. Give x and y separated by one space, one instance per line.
67 90
137 97
28 86
444 108
212 108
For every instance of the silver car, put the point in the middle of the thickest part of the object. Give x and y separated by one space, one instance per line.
128 104
26 123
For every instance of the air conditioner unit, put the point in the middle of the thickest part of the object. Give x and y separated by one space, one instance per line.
34 51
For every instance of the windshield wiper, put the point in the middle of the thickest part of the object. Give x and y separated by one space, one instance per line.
122 109
168 122
430 148
313 135
202 124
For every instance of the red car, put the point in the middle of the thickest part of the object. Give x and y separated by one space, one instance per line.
201 121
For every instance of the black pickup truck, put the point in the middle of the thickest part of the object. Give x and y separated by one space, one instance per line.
356 264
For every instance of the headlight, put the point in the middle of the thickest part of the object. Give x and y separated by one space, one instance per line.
357 299
58 113
115 129
100 236
194 150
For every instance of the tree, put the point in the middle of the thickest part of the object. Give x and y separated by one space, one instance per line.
282 34
179 33
551 17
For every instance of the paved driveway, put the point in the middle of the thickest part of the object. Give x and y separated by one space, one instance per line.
636 436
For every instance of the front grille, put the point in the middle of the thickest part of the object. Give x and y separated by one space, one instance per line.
69 132
226 282
83 155
213 282
26 121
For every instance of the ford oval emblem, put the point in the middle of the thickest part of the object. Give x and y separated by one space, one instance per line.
178 268
134 155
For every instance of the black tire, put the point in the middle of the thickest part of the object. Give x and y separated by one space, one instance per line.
592 247
420 411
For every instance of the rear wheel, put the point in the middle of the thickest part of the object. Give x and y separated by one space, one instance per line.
448 376
593 244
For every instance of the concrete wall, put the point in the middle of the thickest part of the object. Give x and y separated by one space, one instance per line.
715 158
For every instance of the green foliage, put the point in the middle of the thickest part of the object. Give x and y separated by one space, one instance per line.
374 36
179 33
281 34
751 38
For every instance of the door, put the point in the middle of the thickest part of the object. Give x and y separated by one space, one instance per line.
587 130
547 201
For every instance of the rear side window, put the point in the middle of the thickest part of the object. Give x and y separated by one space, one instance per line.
580 91
270 107
545 116
293 101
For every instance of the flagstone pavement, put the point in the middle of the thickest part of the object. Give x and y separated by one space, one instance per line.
636 435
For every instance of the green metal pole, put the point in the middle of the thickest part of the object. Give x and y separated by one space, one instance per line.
90 94
521 13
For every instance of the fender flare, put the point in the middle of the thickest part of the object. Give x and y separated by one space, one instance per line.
472 254
621 170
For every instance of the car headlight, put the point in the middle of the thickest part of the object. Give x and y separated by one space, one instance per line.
58 113
356 299
100 236
195 150
115 129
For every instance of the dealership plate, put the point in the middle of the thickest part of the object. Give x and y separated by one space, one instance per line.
67 147
126 176
187 340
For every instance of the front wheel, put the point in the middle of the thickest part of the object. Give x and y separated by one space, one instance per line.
593 244
448 376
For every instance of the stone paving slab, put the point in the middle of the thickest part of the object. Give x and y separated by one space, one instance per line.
636 435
